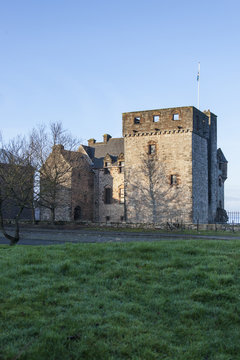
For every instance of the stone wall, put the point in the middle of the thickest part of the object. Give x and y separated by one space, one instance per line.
212 167
113 212
165 120
200 178
82 192
58 195
163 201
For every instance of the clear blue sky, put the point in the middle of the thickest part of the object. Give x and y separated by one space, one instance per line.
86 62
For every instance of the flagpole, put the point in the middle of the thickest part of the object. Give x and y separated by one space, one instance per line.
198 80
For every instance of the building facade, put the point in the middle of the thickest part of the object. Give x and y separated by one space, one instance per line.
165 167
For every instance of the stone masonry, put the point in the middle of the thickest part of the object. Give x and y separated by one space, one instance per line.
166 167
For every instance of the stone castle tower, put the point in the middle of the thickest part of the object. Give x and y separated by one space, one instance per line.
166 167
183 145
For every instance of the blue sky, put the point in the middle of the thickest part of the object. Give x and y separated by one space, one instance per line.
86 62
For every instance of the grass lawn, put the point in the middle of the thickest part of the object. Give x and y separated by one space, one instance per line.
176 300
228 233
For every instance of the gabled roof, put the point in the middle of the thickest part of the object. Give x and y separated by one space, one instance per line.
98 151
220 156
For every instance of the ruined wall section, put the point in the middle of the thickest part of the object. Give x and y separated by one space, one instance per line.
113 212
158 120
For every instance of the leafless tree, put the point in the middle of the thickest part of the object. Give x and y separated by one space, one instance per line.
51 171
16 184
149 194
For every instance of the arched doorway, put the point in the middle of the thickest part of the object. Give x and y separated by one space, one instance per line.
77 213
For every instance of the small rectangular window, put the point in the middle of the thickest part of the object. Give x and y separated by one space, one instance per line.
176 117
137 120
121 166
108 196
151 149
173 179
107 218
121 218
155 118
106 165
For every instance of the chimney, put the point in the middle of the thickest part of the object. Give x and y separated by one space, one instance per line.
58 148
91 142
106 137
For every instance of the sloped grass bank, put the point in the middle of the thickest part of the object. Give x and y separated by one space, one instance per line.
159 300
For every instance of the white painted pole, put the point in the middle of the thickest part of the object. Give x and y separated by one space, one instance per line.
198 80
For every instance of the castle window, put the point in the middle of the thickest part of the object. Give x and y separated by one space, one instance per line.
77 213
121 195
155 118
121 166
152 149
121 218
107 218
173 180
220 182
137 120
176 116
106 170
108 195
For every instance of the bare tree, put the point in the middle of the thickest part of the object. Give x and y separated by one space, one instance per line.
16 184
149 194
51 171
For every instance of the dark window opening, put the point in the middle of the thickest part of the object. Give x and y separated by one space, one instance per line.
220 204
108 195
209 197
151 149
121 218
121 166
77 213
220 182
155 118
106 166
107 218
137 120
176 117
173 180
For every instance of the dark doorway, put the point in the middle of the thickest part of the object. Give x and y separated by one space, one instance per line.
77 213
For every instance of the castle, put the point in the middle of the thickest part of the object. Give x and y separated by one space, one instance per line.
165 167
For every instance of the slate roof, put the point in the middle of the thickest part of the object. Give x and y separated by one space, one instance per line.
220 156
97 152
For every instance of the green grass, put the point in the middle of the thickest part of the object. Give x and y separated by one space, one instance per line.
227 233
176 300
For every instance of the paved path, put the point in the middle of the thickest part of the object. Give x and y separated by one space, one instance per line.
55 236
